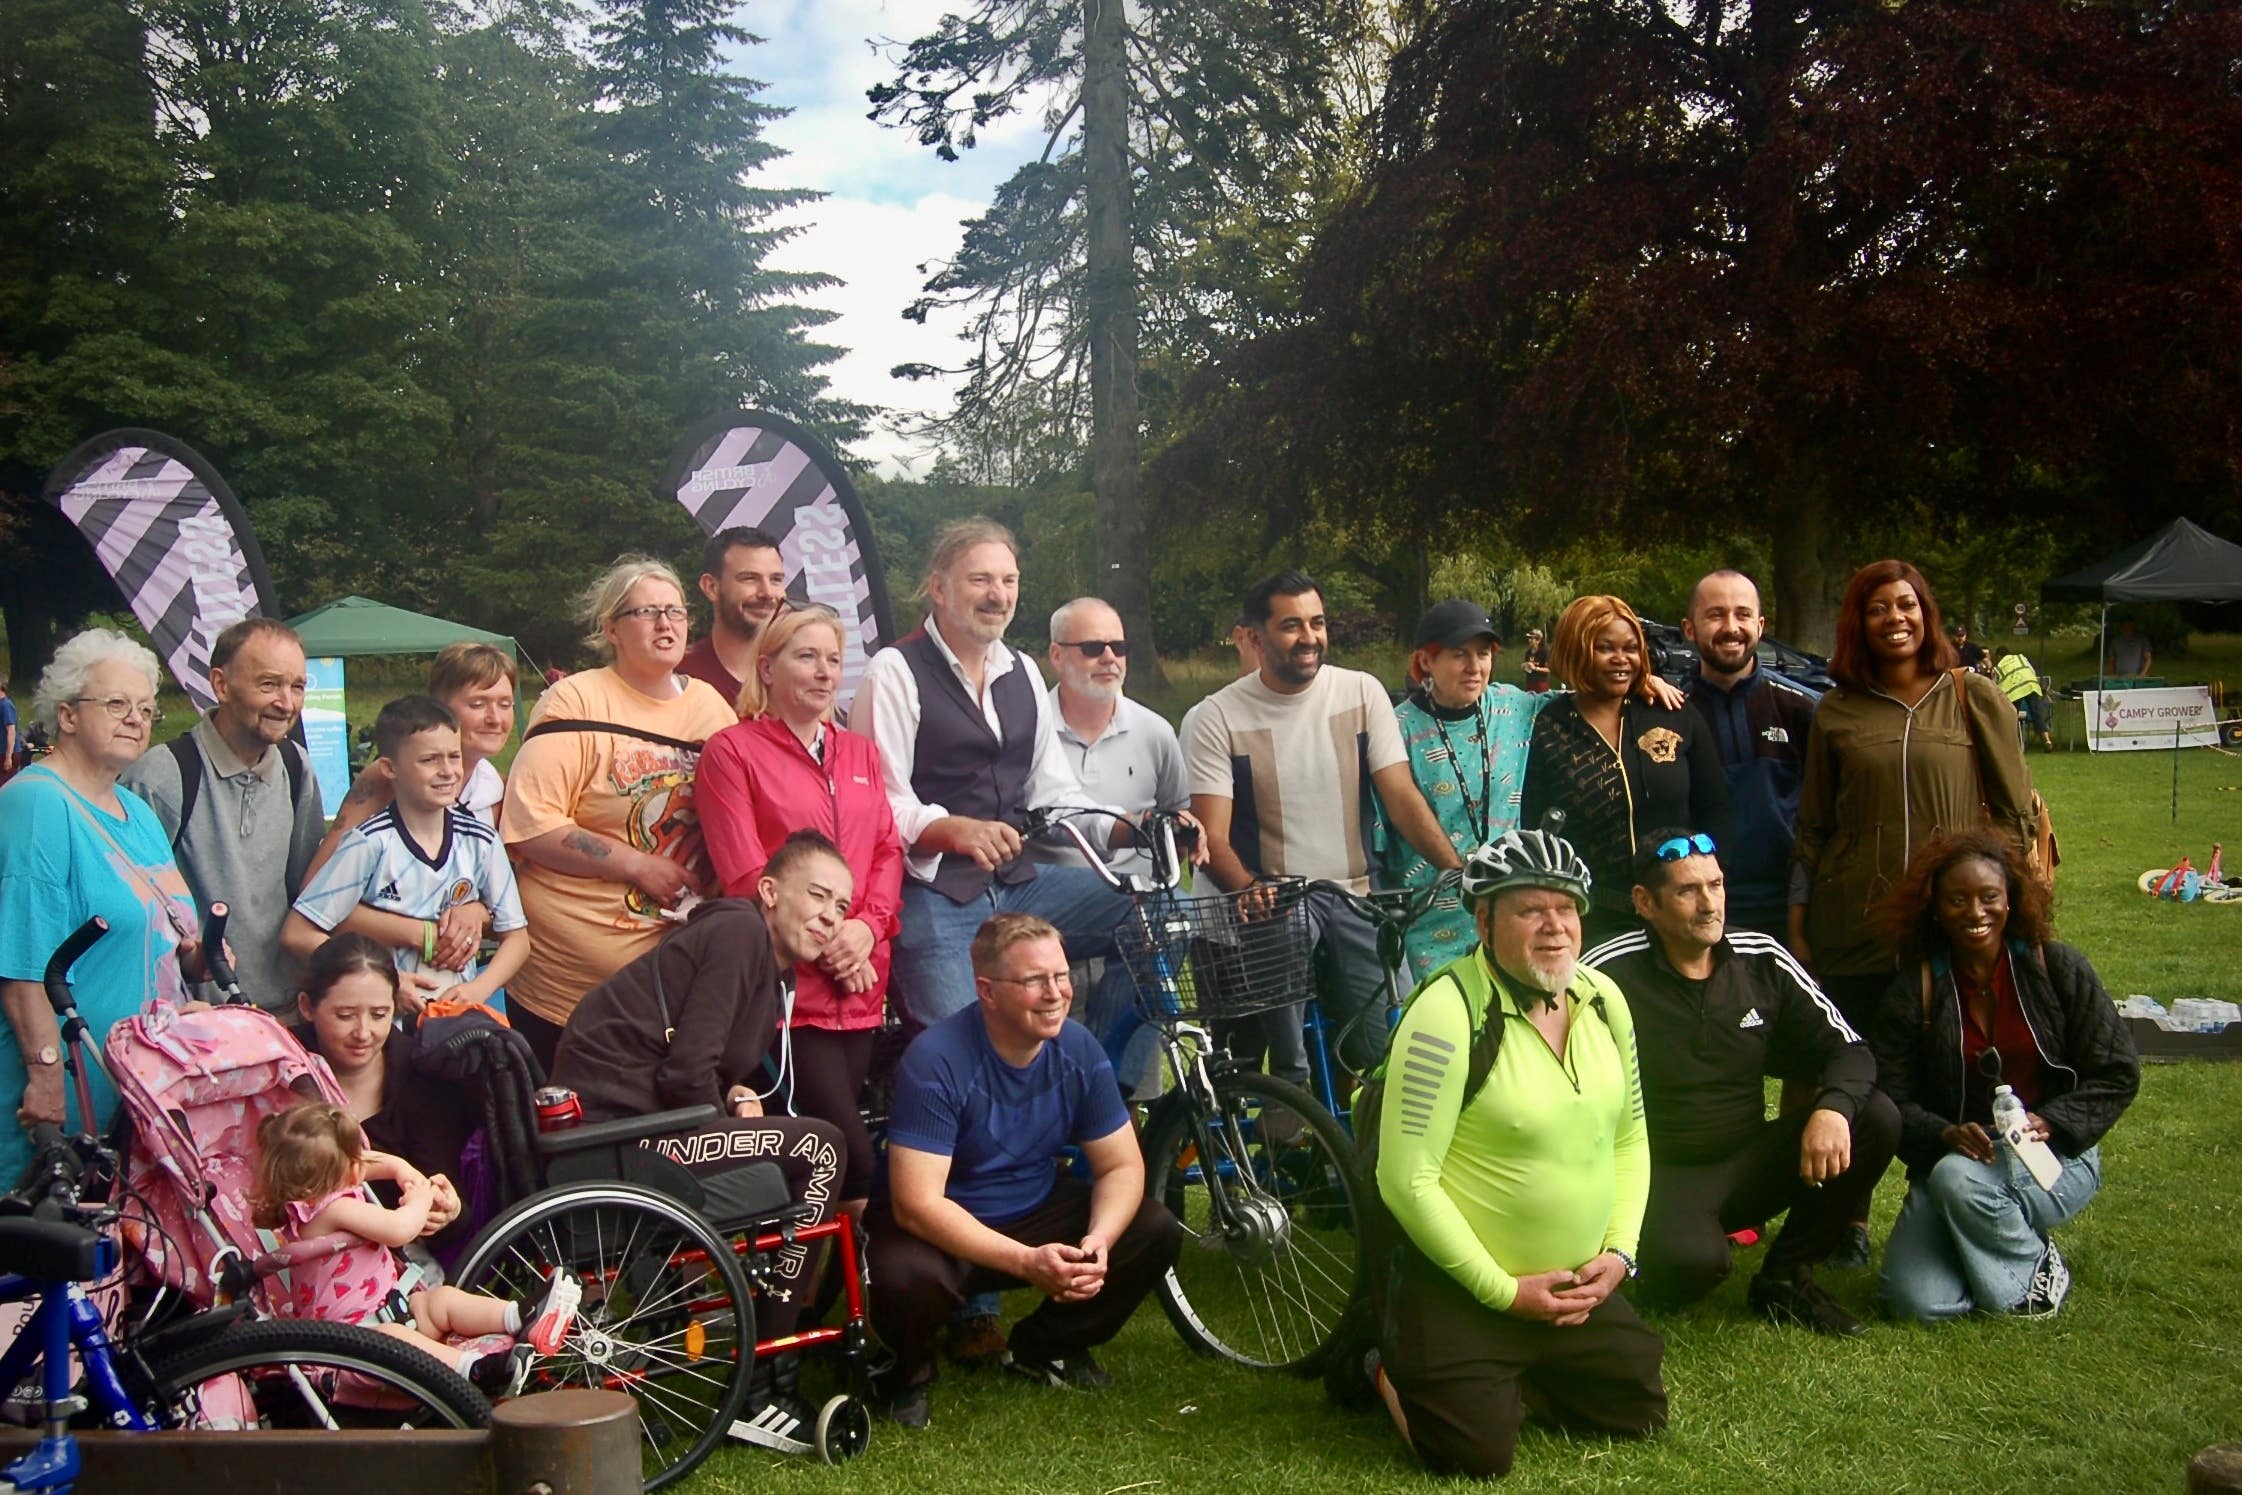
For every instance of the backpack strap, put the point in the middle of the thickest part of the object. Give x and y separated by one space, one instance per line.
618 728
1925 970
291 759
188 756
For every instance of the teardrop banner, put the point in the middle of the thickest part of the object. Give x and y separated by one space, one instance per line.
749 467
172 536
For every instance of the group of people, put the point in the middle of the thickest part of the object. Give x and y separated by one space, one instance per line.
697 885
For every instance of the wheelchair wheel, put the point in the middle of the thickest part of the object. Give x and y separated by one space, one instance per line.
303 1373
1272 1243
666 1314
844 1429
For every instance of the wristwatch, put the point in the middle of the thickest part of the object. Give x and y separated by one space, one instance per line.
1625 1260
48 1055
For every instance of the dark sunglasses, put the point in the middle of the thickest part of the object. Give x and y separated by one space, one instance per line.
1092 647
1682 846
1989 1064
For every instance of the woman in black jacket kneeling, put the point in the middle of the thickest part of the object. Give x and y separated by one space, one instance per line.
1986 997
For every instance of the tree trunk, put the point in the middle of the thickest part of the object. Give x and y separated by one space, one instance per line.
1110 295
1805 611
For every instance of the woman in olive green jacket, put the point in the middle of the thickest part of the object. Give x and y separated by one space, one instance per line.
1902 749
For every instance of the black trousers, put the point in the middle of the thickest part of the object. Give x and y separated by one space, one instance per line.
1466 1375
830 1067
1693 1206
916 1285
808 1154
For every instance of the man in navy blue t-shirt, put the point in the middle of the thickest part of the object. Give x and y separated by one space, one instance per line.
972 1200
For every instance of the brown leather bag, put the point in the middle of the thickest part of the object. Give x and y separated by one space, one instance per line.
2041 853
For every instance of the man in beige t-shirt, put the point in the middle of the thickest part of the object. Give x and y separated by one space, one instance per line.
1287 767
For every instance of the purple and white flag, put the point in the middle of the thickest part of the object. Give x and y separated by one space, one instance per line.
751 467
171 535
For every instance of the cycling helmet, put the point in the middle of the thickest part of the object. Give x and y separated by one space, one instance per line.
1527 859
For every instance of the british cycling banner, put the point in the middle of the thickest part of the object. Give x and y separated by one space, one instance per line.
753 468
171 535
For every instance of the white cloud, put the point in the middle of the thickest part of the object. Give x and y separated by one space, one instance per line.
892 205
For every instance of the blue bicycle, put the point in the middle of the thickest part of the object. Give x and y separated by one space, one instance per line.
169 1368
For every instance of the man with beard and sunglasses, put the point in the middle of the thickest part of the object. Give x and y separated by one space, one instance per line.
1284 763
1759 720
1717 1013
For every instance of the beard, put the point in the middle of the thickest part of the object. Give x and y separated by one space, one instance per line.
1549 980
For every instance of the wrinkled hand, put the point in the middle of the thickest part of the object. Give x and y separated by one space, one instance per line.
1546 1297
193 966
1825 1149
459 934
42 1096
1970 1140
1598 1278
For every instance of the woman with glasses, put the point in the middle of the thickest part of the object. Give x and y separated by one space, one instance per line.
1986 996
786 767
74 844
1618 756
599 809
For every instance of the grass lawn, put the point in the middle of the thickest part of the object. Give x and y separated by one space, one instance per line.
2142 1369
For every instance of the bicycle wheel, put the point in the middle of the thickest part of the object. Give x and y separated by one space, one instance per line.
1265 1189
303 1373
666 1314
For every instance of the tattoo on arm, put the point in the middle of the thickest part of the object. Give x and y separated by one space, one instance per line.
590 845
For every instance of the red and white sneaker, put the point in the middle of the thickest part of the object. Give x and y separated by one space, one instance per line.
546 1323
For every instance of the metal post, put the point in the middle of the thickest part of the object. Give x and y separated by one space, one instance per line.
576 1442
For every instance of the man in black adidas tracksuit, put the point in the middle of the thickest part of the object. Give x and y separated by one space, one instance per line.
1715 1014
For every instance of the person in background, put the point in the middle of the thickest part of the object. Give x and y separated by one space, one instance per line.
1987 996
1759 722
599 812
782 769
1615 758
11 740
1467 739
240 802
743 576
1537 661
1903 748
74 843
2131 653
1970 656
2020 682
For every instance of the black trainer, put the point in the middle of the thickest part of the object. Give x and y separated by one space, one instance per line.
907 1408
1079 1371
1854 1253
1802 1301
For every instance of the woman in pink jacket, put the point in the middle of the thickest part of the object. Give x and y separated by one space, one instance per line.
785 768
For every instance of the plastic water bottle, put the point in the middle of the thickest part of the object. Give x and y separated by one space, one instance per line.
2010 1121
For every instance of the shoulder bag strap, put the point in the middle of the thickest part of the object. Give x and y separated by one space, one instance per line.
620 729
189 758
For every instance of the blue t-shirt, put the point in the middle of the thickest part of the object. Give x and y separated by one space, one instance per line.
57 871
1001 1126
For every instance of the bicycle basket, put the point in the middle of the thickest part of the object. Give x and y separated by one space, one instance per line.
1219 957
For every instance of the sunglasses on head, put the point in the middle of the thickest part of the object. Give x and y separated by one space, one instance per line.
1683 846
1092 647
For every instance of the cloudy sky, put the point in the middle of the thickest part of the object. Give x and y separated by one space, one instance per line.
891 204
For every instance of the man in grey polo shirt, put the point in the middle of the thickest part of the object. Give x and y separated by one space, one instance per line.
252 820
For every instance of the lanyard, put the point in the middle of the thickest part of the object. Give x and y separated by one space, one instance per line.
1475 813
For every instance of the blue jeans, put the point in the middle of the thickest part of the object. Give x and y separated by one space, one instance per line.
933 962
1971 1234
1349 984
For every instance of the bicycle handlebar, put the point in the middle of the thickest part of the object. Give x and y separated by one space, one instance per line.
1172 840
57 976
214 961
1394 909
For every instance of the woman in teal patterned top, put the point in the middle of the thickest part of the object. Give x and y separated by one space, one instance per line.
1467 740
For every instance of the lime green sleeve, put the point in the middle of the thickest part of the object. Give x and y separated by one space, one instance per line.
1631 1143
1425 1074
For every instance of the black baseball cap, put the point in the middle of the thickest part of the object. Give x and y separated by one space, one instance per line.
1454 623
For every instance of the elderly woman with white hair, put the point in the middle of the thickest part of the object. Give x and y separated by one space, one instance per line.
73 844
599 805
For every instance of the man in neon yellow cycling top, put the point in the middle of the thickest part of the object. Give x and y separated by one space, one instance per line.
1519 1201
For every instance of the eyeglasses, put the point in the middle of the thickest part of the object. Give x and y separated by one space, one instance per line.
122 709
1092 647
1682 846
652 613
1040 985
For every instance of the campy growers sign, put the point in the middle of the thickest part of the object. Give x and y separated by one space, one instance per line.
2124 721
